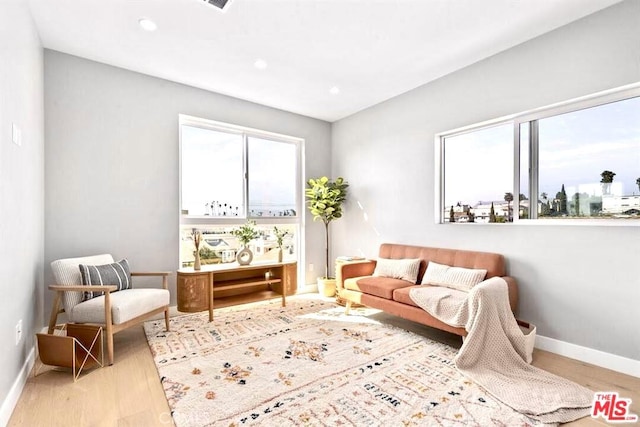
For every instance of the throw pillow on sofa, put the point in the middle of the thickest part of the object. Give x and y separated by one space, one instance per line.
462 279
405 269
117 274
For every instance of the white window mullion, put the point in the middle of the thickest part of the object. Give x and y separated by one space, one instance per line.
533 169
515 215
245 152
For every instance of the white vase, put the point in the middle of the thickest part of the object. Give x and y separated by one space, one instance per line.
196 262
244 256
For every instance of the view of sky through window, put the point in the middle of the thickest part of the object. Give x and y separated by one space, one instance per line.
272 178
478 166
212 172
213 180
588 165
575 148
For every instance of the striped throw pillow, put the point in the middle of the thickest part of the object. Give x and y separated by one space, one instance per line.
405 269
462 279
116 274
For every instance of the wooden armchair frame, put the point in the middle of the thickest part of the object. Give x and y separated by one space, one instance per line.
109 327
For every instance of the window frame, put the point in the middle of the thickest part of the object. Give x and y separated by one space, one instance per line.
206 220
532 118
246 133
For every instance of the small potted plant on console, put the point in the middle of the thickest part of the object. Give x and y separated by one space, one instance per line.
245 234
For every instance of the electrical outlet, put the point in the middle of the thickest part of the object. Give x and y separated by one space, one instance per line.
18 331
310 267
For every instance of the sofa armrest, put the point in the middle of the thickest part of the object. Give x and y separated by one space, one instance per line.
355 269
513 292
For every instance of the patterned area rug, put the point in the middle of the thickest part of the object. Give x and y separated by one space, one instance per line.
310 365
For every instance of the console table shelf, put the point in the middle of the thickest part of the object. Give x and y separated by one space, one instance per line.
221 285
246 298
235 284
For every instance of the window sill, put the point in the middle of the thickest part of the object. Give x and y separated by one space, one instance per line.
557 222
621 222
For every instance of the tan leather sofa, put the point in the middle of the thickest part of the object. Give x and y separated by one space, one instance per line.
392 295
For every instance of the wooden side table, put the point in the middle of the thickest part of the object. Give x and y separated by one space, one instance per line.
339 262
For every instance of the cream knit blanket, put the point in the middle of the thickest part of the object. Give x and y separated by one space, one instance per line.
494 354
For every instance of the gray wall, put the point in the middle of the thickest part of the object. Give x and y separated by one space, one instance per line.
112 160
579 284
21 188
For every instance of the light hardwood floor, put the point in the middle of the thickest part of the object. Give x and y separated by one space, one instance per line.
129 392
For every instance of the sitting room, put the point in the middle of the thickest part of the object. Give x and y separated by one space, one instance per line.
320 212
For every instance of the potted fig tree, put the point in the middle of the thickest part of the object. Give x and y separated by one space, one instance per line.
324 200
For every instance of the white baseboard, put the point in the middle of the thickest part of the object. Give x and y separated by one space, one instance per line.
589 355
16 389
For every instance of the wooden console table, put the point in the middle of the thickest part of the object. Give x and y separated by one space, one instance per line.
221 285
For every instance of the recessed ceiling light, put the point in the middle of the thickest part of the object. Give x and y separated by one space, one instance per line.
260 64
147 24
334 90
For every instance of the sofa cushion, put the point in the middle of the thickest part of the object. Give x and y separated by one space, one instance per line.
461 279
404 269
402 295
352 283
379 286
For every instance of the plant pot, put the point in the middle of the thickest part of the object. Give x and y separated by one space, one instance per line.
244 256
326 287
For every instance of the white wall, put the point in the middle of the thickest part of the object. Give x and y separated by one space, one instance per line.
112 160
21 196
578 284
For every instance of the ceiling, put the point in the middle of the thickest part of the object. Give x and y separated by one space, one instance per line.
371 50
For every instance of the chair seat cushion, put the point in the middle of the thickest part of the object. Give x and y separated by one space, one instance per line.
125 305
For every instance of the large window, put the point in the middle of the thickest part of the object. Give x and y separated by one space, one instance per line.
578 161
231 174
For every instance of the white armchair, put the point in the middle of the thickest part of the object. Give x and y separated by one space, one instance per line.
114 311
